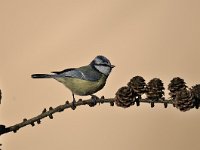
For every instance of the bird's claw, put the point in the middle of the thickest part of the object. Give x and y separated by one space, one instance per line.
94 100
73 104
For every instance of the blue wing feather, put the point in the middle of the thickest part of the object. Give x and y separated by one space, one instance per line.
84 73
66 70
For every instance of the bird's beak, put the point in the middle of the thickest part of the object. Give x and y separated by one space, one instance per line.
112 66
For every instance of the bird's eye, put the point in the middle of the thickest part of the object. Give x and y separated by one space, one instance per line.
106 65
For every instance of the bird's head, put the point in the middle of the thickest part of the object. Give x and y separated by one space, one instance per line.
102 64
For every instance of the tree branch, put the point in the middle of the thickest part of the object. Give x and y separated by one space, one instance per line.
37 119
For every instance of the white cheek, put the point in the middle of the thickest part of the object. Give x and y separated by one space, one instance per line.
103 69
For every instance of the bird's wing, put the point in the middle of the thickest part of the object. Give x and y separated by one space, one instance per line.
84 73
63 71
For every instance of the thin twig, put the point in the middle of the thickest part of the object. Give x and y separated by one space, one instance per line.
60 108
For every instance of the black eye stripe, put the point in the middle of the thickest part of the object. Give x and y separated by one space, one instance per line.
102 65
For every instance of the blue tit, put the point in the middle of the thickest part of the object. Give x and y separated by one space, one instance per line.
85 80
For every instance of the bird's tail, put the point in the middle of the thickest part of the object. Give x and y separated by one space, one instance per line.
42 76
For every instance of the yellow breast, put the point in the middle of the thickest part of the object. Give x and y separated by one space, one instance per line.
83 87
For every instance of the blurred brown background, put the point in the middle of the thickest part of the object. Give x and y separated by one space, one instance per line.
148 38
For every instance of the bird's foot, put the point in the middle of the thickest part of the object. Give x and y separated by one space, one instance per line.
73 104
94 100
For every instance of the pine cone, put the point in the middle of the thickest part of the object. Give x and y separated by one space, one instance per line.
125 97
196 93
138 85
184 100
176 84
155 89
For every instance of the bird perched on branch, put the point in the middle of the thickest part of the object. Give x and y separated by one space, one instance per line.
85 80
